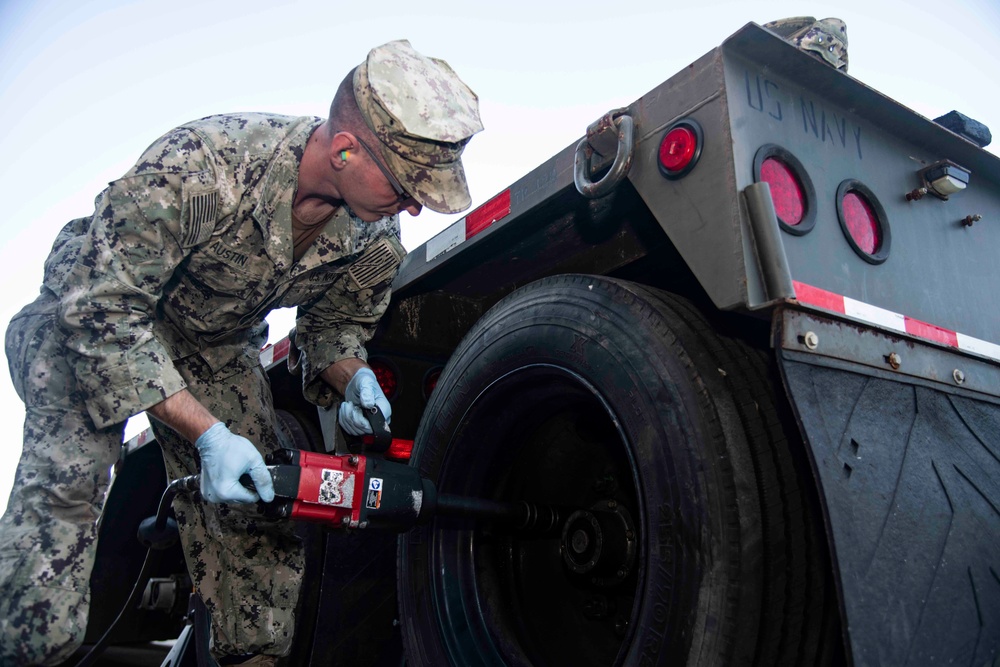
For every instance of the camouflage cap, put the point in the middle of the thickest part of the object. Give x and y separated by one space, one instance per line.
826 38
423 115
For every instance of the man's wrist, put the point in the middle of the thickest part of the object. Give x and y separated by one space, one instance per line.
339 373
183 413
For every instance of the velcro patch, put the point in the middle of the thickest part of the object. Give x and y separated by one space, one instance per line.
201 218
377 265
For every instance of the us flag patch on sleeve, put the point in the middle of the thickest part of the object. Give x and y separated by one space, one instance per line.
201 218
377 265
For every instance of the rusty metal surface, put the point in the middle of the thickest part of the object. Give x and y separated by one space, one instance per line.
847 344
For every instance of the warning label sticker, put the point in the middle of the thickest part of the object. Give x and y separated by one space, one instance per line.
336 488
374 498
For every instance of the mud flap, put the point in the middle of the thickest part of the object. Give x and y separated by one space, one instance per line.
909 473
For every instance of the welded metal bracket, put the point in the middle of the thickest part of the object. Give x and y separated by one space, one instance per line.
772 262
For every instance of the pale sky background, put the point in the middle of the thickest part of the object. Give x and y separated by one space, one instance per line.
86 85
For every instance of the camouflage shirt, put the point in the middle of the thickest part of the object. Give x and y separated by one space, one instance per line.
188 252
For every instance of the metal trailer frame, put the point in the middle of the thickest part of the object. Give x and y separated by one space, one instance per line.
891 367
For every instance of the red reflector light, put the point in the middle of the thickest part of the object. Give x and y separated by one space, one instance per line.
484 216
863 221
786 191
677 148
680 148
386 376
400 450
431 380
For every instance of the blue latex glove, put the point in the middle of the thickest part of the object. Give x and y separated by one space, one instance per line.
362 392
224 458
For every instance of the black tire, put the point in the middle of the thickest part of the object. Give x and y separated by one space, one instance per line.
600 395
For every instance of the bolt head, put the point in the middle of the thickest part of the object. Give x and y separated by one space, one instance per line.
958 376
811 340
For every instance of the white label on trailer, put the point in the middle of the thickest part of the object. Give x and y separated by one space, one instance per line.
879 316
450 238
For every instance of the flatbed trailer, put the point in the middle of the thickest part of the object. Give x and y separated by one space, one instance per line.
746 331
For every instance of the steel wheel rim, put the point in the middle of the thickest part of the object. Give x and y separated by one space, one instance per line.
503 597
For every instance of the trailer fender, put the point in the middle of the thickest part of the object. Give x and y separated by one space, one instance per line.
907 470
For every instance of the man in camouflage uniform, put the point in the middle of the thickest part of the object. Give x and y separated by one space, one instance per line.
156 303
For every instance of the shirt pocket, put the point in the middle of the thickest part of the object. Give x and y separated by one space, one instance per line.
25 334
311 286
36 357
219 269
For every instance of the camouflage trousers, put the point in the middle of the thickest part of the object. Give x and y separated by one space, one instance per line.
247 572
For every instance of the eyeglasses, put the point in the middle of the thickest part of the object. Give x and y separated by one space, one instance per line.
401 194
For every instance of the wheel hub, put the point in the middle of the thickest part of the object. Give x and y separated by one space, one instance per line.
599 543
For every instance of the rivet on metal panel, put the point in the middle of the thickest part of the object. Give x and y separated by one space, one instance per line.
894 360
970 219
810 340
958 375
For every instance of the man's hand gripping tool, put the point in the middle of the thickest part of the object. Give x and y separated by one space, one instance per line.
363 489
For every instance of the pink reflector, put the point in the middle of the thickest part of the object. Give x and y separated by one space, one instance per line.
862 222
786 192
487 214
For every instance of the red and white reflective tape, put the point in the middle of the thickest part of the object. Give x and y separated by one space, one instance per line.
463 230
886 319
274 353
